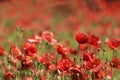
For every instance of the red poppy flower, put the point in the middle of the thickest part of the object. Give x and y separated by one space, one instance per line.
87 56
26 63
44 59
48 36
31 51
60 49
52 56
116 62
104 72
20 57
94 40
53 68
77 69
42 77
2 51
8 75
81 38
65 64
35 39
113 43
15 51
93 65
91 62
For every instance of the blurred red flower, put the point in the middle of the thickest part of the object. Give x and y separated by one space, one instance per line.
49 37
35 39
44 59
9 75
64 64
116 62
60 49
53 68
2 51
81 38
31 51
113 43
94 40
26 63
15 51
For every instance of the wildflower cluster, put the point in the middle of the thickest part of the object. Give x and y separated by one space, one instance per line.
42 57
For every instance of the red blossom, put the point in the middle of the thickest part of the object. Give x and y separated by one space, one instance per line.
31 51
53 68
15 51
52 56
35 39
20 57
94 65
104 72
8 75
44 59
64 64
113 43
77 69
94 40
26 63
2 51
116 62
60 49
49 37
64 50
42 77
91 62
87 56
81 38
